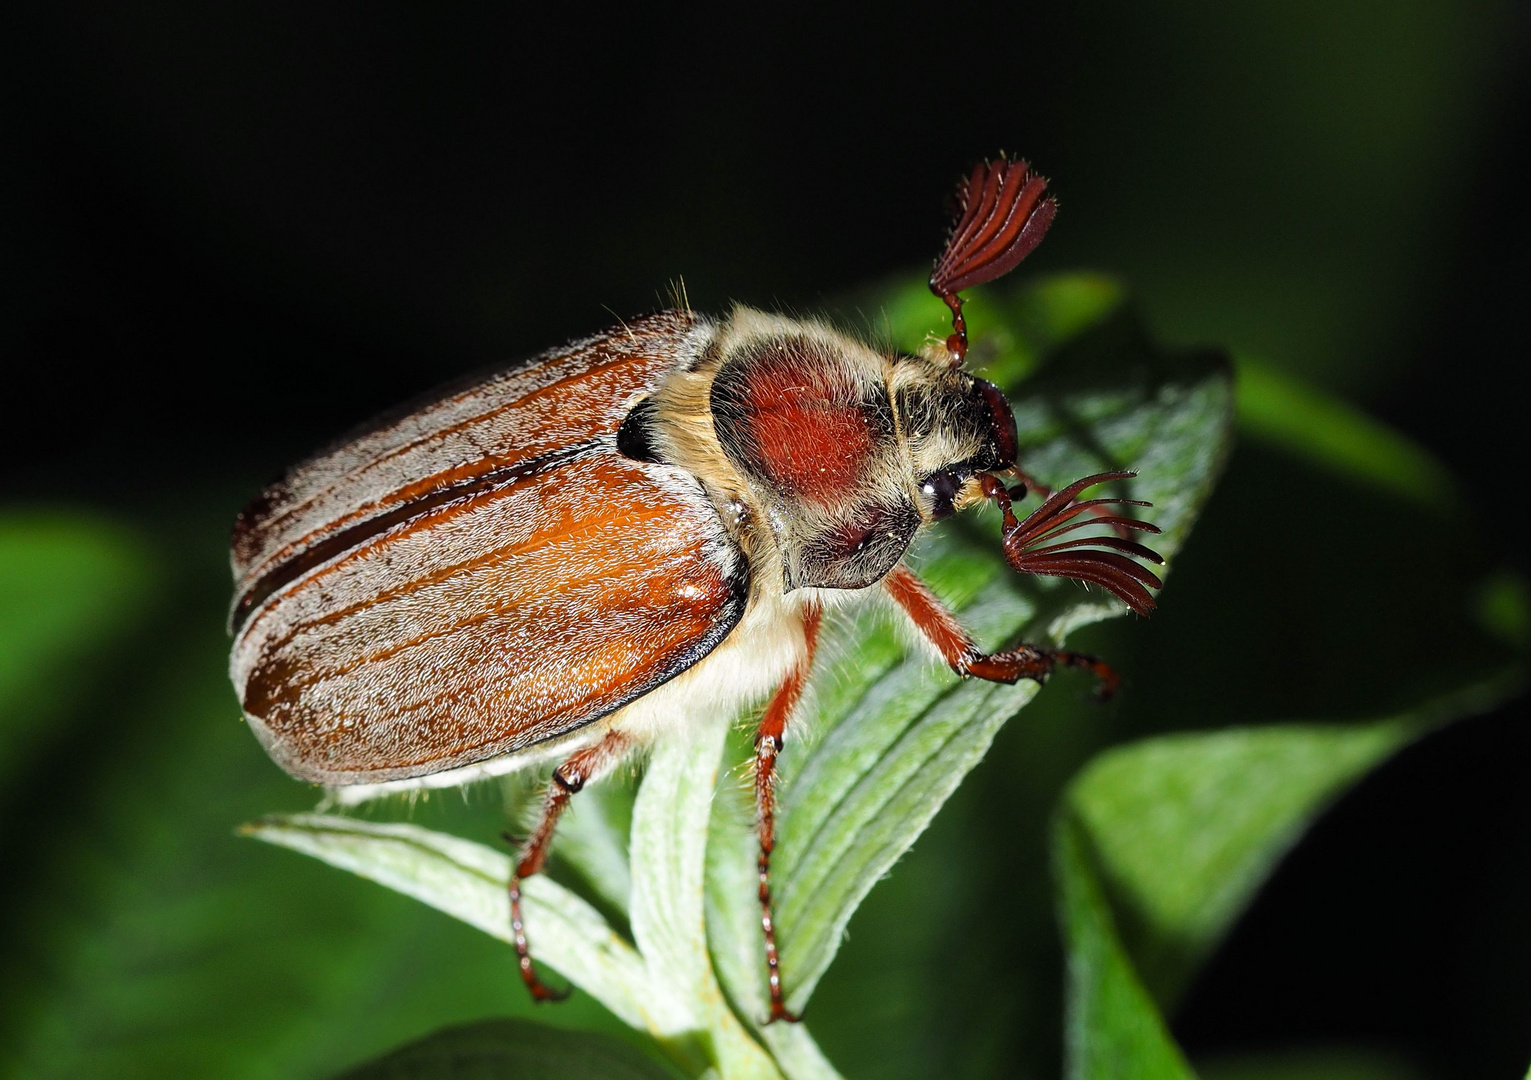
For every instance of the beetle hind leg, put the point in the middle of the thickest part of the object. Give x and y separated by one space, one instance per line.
580 768
769 739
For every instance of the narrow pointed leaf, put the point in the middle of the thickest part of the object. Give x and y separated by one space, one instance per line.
467 881
1186 828
1113 1030
1313 426
593 836
669 848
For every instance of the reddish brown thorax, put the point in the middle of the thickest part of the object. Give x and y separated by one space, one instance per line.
805 423
811 428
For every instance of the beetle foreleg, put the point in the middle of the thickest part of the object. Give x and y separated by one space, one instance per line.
580 768
957 647
768 743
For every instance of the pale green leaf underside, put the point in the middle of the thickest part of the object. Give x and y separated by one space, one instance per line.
669 841
468 881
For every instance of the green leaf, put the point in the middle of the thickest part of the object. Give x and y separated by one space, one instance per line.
1185 828
593 837
669 844
468 881
511 1050
1160 844
665 985
1113 1030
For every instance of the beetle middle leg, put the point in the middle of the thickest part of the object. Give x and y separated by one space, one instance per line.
957 647
769 739
581 767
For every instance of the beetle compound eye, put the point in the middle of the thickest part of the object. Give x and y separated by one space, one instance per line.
941 489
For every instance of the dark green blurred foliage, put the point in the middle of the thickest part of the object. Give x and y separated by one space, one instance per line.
499 1048
229 235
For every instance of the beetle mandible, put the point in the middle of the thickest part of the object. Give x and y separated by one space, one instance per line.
568 559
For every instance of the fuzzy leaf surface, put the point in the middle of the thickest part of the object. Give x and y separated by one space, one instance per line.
468 881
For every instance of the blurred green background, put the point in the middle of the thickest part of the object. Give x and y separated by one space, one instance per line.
231 233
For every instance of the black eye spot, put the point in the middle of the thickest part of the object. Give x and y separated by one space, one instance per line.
941 489
635 438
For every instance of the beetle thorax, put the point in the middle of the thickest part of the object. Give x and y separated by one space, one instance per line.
819 451
790 428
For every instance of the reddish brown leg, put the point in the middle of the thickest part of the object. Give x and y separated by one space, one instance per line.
958 648
581 767
768 743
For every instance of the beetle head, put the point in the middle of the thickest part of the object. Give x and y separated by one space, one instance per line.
956 426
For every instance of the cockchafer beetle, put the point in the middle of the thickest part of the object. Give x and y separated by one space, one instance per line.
572 557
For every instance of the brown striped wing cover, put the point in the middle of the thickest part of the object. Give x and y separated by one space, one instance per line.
480 575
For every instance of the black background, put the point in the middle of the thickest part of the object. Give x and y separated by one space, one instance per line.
230 233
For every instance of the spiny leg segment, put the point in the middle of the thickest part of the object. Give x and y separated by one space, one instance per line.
769 738
957 647
580 768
